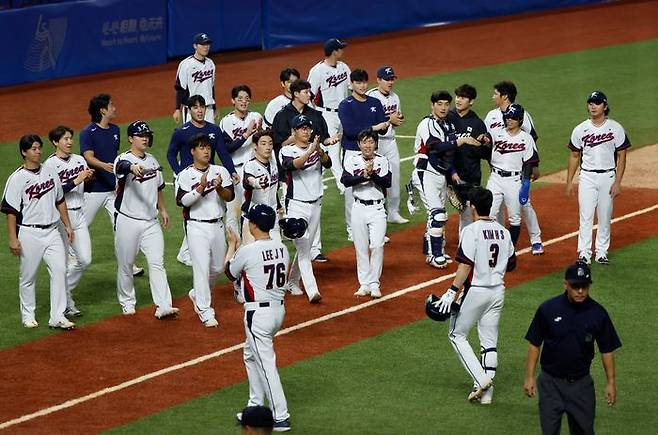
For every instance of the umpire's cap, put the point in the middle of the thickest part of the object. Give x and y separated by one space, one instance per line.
597 97
257 416
263 216
578 274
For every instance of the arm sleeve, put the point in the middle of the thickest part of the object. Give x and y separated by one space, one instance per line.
122 167
348 179
575 143
288 162
173 150
438 146
69 186
384 181
232 145
235 266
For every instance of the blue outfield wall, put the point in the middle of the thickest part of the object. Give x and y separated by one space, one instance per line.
71 38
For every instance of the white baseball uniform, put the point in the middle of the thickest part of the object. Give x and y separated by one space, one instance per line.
68 169
368 215
203 213
508 156
136 227
263 189
273 107
262 268
234 127
196 77
598 146
33 196
304 200
388 147
329 86
487 247
494 121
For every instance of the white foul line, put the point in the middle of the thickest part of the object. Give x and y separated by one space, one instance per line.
288 330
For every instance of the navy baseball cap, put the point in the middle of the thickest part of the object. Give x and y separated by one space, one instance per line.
300 121
333 44
139 128
202 38
386 72
257 416
597 97
263 216
578 273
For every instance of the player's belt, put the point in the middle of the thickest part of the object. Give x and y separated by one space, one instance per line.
205 221
327 109
306 202
75 208
505 173
41 227
598 171
369 201
254 305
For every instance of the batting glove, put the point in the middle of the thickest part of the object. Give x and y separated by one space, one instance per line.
411 203
447 300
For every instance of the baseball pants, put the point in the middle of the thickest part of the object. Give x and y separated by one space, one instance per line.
349 197
432 189
482 306
233 208
261 325
576 398
506 189
38 244
334 127
531 222
184 250
301 265
594 194
131 235
389 149
81 246
207 251
368 231
465 218
93 201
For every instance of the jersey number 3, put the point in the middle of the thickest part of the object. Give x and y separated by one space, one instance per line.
493 259
279 270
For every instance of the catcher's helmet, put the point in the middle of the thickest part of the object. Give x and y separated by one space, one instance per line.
293 228
514 111
432 309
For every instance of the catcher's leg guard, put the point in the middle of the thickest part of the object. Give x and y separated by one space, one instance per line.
437 220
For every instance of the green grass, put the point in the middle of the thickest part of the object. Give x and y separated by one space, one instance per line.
552 88
409 380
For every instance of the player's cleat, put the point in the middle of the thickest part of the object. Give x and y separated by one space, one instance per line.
362 291
128 311
448 258
294 289
30 324
238 417
603 259
487 397
320 258
184 260
537 249
282 426
396 218
375 292
72 312
211 323
438 262
316 298
477 393
64 324
387 239
137 271
164 312
585 260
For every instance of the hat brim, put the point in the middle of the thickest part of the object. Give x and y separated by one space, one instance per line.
306 124
575 282
597 101
393 77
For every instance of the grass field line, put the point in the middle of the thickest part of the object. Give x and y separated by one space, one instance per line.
285 331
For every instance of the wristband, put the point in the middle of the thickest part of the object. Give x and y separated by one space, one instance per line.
453 288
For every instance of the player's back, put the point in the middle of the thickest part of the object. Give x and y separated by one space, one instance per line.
265 270
487 246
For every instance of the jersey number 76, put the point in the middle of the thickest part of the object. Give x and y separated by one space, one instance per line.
279 270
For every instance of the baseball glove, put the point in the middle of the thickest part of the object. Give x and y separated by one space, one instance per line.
458 195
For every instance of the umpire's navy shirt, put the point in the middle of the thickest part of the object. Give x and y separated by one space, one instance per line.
568 331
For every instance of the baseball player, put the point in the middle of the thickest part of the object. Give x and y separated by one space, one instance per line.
387 145
260 182
513 155
33 200
286 77
283 135
467 158
599 146
303 163
99 145
180 157
435 147
485 254
238 127
139 199
357 113
329 86
369 175
196 76
73 173
504 95
203 191
262 268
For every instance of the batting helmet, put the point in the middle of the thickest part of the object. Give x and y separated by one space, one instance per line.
293 228
514 111
141 128
432 309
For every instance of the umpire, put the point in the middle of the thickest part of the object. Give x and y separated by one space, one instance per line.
568 325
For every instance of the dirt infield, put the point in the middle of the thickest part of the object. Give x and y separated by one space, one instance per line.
37 375
148 92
